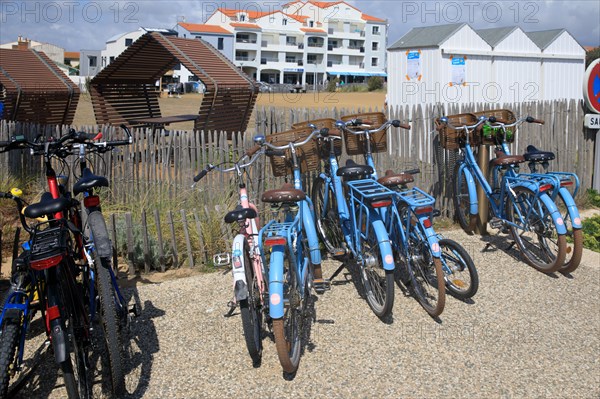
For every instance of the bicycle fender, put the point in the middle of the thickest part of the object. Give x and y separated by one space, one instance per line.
556 216
473 204
59 341
100 234
385 247
571 206
308 222
276 280
238 268
432 239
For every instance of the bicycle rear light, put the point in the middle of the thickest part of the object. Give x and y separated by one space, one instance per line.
565 183
275 240
427 223
381 203
545 187
424 210
91 201
46 263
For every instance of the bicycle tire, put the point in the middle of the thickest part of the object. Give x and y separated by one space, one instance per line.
8 348
377 281
327 220
457 259
546 260
111 326
288 329
461 206
251 312
75 371
574 250
113 333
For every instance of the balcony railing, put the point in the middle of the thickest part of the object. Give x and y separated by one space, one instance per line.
291 43
330 31
300 62
362 33
241 40
315 44
300 45
243 58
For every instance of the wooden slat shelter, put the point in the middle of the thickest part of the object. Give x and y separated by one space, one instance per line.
34 89
126 89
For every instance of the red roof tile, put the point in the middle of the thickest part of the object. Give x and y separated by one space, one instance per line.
204 28
312 30
371 18
242 25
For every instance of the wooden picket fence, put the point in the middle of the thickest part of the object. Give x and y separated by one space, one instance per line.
162 165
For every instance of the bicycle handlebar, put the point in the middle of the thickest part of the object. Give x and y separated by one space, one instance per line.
358 122
20 205
295 145
238 165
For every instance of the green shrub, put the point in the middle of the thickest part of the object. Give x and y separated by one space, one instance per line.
331 85
375 83
591 233
594 197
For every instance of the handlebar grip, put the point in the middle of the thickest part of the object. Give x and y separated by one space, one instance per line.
4 143
5 195
253 150
531 119
397 123
200 175
278 153
358 122
117 143
324 132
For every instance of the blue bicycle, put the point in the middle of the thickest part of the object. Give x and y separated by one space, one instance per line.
499 129
290 246
346 200
519 205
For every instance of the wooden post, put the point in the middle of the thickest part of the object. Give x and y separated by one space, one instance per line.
115 244
173 239
161 253
484 160
199 231
146 246
130 243
186 233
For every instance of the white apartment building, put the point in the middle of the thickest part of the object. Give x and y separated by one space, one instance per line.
306 42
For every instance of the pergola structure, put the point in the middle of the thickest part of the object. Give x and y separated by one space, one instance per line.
125 91
34 89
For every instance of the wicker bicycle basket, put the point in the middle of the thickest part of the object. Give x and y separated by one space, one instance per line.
488 136
355 143
307 154
453 139
328 123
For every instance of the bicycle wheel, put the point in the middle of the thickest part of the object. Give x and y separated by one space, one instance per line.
377 281
251 311
425 270
534 231
75 368
111 308
574 246
288 329
9 341
460 273
327 218
461 200
113 333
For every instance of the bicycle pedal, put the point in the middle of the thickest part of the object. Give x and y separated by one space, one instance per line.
134 310
321 285
338 252
496 223
222 259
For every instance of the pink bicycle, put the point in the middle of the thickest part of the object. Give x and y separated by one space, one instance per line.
249 284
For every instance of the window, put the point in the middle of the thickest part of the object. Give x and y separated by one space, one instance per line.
375 46
128 42
242 17
198 37
220 45
290 40
374 61
311 24
284 21
93 60
376 30
111 59
311 58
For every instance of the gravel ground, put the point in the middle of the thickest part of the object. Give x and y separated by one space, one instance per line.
525 334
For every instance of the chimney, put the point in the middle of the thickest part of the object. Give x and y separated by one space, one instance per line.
22 44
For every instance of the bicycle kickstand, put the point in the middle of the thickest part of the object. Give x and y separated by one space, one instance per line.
232 305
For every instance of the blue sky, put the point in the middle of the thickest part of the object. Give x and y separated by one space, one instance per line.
77 25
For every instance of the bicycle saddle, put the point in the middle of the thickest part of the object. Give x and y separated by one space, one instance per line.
47 206
535 155
239 214
88 181
504 160
287 193
352 169
392 179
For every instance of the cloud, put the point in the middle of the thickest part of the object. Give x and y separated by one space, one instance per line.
87 24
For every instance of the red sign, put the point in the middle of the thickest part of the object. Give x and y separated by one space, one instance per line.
591 86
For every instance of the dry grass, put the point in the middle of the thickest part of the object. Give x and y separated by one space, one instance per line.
190 104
